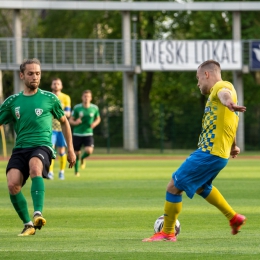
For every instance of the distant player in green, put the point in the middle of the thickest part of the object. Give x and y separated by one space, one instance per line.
85 117
31 112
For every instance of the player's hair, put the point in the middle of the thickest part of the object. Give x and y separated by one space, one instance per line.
87 91
28 61
210 65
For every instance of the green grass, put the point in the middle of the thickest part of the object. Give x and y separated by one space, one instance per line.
106 213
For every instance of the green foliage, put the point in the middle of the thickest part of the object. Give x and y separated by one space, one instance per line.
82 24
176 92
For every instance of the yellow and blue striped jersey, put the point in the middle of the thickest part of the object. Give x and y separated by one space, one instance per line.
66 106
219 124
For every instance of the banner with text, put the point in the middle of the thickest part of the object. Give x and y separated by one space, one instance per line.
188 55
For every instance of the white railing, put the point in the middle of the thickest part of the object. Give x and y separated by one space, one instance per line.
69 54
80 54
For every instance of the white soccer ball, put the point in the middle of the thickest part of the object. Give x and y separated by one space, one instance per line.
158 225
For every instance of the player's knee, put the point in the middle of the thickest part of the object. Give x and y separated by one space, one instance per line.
89 150
13 188
204 192
199 191
171 188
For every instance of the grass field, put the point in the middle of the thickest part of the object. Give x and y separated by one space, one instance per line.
105 213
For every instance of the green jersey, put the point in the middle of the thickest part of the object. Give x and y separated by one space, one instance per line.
87 115
32 117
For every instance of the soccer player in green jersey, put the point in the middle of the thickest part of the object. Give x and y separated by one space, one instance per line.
85 117
31 112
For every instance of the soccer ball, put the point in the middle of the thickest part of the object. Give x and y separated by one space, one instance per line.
158 225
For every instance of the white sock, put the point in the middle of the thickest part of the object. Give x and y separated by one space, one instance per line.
37 212
29 223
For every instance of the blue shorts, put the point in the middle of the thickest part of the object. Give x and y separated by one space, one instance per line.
198 171
58 139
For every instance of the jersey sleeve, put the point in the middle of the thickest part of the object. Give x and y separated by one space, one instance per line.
57 110
223 87
5 114
67 103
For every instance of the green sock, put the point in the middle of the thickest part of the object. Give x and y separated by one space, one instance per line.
37 192
84 155
77 164
20 205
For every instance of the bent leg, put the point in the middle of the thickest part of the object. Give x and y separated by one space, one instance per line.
214 197
87 152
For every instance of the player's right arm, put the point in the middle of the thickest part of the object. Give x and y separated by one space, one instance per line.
72 120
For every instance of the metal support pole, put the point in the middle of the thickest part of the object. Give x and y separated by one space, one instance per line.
134 19
130 121
238 83
17 26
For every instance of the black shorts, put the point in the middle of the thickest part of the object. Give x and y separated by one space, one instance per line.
78 141
21 156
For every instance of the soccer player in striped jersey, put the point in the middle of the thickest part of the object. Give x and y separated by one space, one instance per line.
58 140
217 142
31 112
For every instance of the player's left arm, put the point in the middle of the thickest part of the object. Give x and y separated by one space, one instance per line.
66 130
235 150
225 98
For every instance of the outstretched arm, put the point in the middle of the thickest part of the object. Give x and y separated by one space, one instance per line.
225 98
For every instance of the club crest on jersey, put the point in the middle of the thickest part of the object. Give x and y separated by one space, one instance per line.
17 112
38 111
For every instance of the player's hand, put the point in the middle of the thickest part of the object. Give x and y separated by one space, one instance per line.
235 150
78 121
233 107
71 158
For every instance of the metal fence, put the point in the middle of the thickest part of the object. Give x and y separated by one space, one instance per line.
71 55
81 54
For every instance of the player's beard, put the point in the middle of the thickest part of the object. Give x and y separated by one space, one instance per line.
32 87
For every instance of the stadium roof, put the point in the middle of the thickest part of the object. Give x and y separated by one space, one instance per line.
124 5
